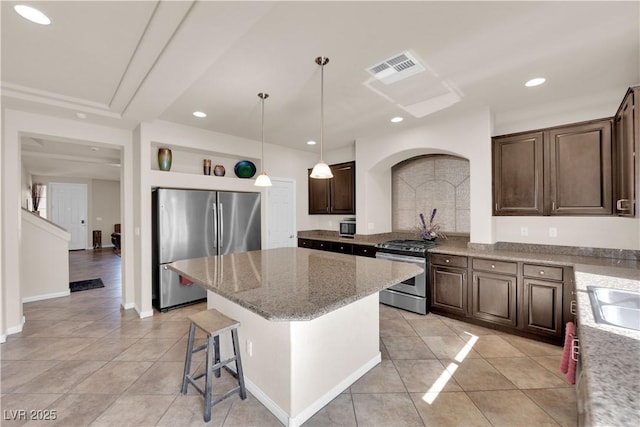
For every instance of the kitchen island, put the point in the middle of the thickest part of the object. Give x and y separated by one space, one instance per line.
309 320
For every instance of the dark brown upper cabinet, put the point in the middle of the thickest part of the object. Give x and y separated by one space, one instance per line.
518 174
626 125
579 169
555 171
336 195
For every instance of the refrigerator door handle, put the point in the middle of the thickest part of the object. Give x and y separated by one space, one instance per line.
221 228
215 225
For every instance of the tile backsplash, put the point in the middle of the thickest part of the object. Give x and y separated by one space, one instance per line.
423 183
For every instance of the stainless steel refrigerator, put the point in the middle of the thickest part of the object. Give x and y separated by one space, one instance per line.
193 224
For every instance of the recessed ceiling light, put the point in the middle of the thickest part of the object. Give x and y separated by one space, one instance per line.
311 143
397 119
81 115
535 82
199 114
32 14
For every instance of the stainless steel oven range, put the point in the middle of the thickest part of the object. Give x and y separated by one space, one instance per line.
412 294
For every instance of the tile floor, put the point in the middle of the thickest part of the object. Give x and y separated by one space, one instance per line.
95 364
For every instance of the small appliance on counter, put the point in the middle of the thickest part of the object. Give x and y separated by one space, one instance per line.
412 294
347 228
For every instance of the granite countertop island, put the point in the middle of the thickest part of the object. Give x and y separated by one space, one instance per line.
309 320
293 283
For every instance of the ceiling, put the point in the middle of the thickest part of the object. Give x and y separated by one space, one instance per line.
123 62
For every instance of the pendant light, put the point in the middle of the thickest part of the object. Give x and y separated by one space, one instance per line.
263 179
321 170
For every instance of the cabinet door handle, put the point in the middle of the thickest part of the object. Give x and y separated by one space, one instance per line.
575 349
542 272
447 261
623 205
553 205
493 266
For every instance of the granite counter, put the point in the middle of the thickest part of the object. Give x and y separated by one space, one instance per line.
293 283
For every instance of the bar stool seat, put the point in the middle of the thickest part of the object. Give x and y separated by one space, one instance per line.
212 323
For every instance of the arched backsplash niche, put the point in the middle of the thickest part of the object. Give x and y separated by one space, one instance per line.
420 184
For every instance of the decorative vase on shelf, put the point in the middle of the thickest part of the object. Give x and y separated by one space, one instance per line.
218 170
164 159
207 166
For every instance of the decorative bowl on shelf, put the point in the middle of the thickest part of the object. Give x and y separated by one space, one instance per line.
244 169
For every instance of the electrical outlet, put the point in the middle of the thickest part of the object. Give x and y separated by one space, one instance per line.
524 231
553 232
249 347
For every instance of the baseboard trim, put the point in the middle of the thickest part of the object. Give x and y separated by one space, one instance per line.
143 314
47 296
16 329
310 410
128 306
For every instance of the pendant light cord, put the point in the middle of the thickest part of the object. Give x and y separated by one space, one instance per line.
262 134
321 105
262 96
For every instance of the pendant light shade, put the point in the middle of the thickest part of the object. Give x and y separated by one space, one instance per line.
321 170
263 179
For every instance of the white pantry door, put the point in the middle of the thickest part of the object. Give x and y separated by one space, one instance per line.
281 214
69 210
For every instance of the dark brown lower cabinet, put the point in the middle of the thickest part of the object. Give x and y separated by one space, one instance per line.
449 289
448 284
341 247
493 298
542 307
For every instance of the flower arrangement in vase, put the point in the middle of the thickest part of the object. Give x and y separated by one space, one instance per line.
432 230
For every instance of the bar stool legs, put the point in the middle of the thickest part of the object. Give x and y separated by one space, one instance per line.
213 323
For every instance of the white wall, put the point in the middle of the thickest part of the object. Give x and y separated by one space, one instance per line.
3 297
596 232
45 259
465 135
25 192
105 208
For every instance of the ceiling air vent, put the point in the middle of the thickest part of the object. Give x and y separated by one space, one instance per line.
396 68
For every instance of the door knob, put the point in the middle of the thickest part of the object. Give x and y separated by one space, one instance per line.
82 221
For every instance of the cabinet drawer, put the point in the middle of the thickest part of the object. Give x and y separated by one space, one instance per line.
306 243
543 272
449 260
364 250
495 266
322 245
343 248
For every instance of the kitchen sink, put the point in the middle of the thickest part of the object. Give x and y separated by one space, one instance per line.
615 307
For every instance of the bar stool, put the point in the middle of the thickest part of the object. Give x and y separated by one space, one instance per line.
213 323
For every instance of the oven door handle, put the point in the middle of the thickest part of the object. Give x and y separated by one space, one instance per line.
401 258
